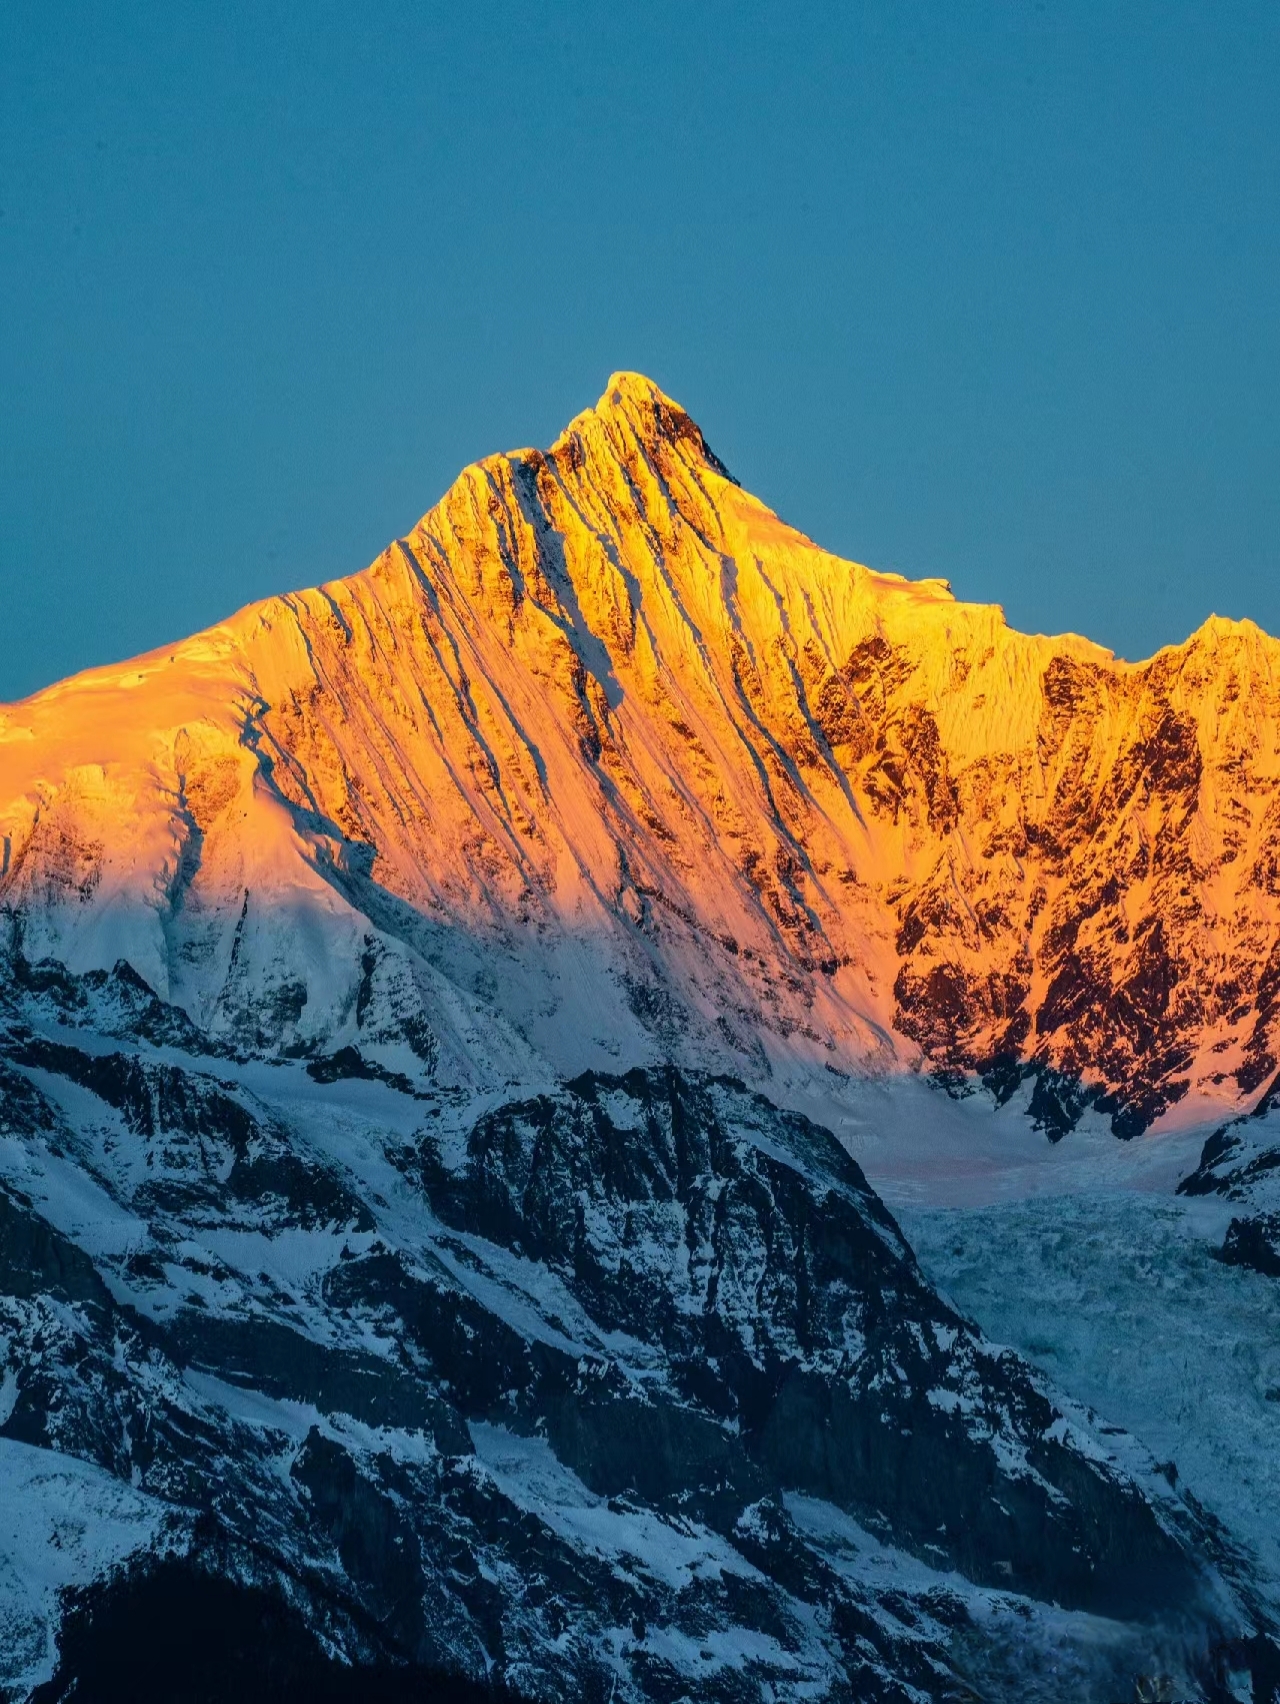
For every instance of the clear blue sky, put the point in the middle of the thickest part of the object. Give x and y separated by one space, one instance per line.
985 291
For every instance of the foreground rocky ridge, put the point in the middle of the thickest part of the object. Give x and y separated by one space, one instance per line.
603 763
623 1388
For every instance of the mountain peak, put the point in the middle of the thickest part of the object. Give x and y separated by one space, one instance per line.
633 407
633 388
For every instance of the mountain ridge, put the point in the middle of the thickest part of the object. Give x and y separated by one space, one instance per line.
602 722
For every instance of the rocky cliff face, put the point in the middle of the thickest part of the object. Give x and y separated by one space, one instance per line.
628 1388
603 763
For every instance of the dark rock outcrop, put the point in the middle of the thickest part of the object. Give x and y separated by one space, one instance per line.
1240 1161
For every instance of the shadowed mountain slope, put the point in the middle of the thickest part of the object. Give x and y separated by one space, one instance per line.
625 1389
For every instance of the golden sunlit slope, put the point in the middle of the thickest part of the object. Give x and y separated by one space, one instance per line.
603 762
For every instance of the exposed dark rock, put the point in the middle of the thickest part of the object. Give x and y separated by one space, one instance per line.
174 1631
1254 1242
263 1354
349 1062
117 1002
1241 1162
24 1111
36 1260
151 1098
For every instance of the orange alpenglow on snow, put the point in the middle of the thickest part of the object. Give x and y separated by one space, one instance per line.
602 763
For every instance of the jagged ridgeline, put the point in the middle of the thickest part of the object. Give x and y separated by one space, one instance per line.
602 762
417 1277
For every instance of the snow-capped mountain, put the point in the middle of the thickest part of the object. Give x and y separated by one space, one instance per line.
412 1238
602 762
